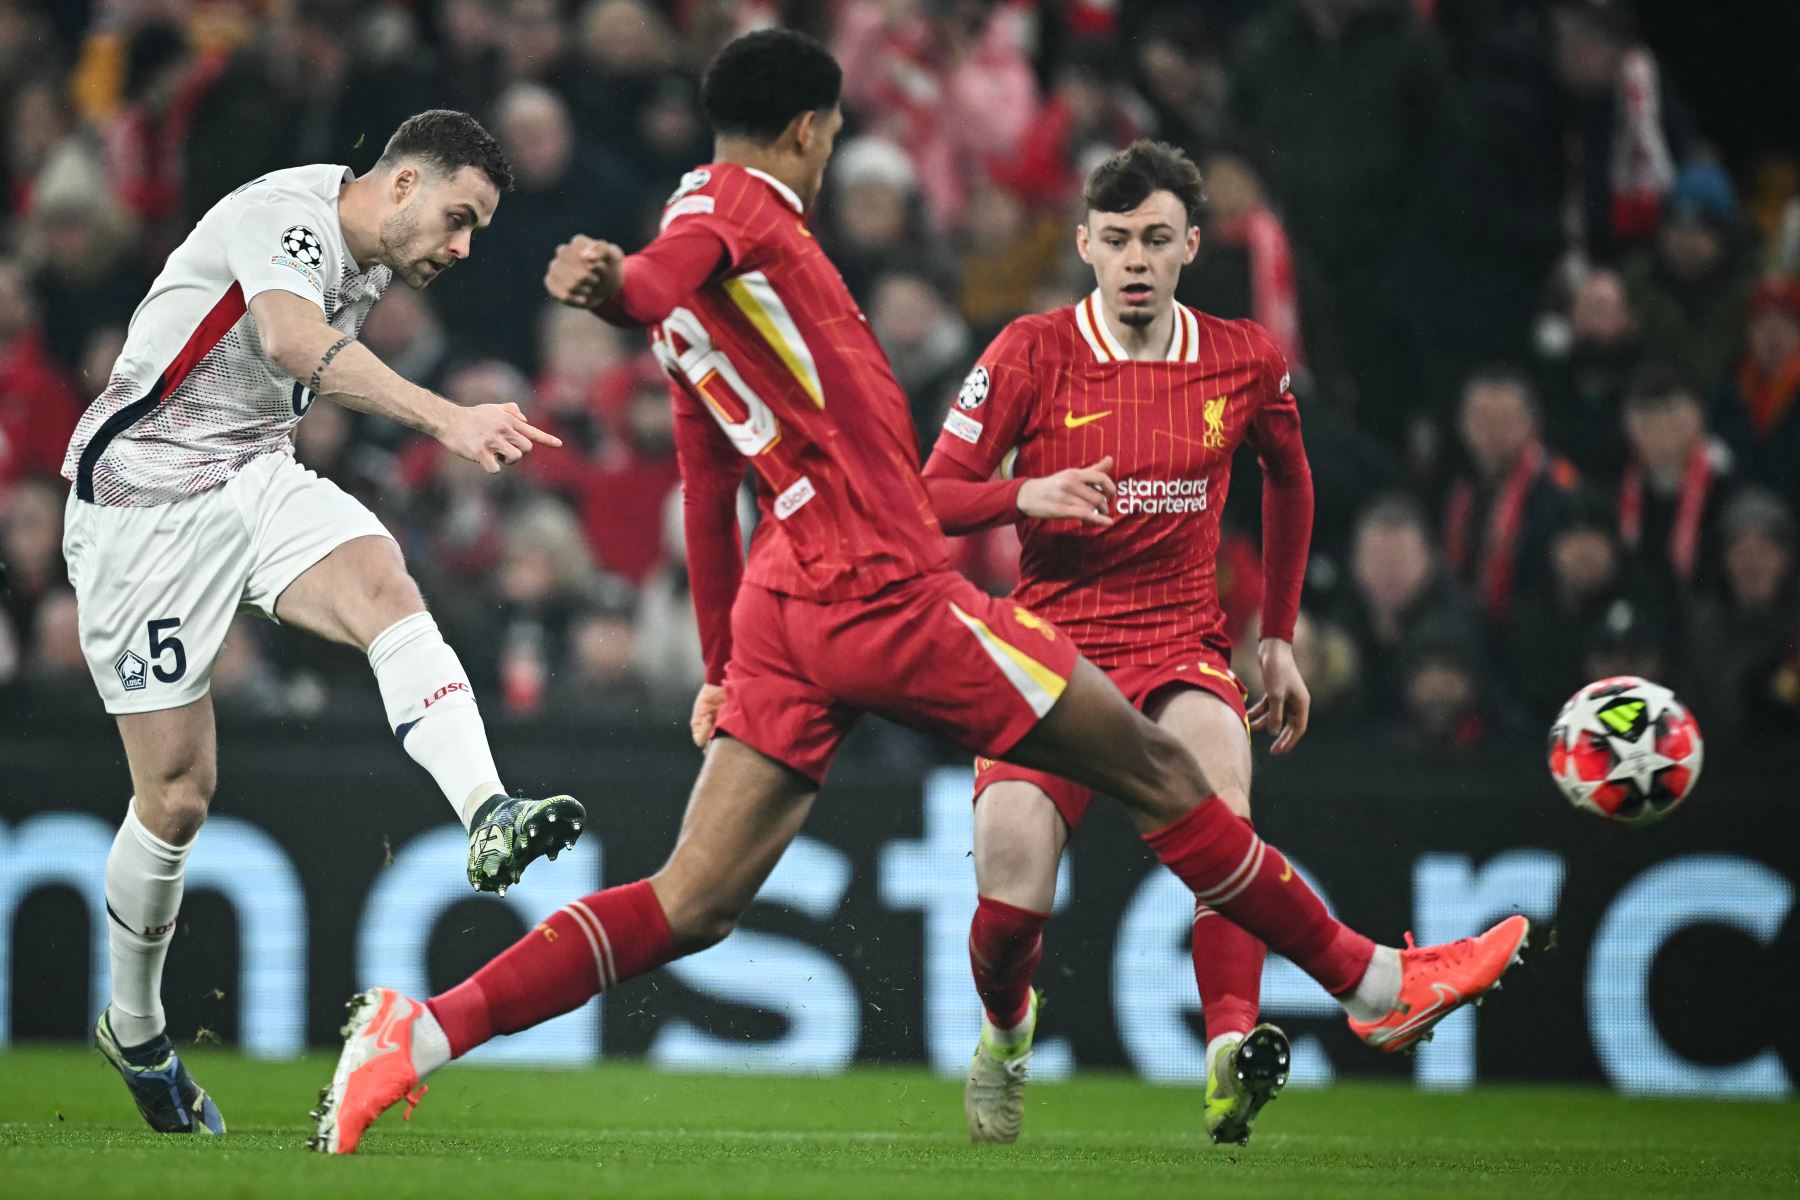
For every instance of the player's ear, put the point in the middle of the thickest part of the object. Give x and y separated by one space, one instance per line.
1081 243
1193 245
405 182
802 130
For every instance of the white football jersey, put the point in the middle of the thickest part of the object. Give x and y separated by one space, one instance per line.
193 398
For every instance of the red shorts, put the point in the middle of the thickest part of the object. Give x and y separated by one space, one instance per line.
1202 669
934 652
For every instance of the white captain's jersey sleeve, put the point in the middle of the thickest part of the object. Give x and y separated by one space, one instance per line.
193 398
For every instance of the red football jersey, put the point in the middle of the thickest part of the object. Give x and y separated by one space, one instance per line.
1055 391
774 349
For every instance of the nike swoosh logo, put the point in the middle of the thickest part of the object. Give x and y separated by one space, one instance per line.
1071 421
1287 870
1447 997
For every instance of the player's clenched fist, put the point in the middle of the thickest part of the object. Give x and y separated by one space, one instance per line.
1079 494
494 435
585 272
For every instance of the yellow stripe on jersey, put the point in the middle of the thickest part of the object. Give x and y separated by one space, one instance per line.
755 295
1039 685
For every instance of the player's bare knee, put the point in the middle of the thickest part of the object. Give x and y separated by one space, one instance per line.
174 807
1174 783
1235 796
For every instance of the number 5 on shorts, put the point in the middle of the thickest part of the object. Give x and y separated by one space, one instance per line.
160 645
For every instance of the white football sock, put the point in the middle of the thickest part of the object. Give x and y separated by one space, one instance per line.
1376 993
1010 1039
430 1045
1213 1047
143 894
431 709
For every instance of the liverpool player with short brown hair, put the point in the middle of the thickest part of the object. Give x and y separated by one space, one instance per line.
846 605
1113 423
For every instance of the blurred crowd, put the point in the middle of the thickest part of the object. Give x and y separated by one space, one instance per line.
1543 318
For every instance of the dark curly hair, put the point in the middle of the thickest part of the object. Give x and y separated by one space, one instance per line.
763 80
447 141
1127 179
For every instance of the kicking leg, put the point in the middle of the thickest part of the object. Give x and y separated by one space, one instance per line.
361 595
174 766
744 811
1019 837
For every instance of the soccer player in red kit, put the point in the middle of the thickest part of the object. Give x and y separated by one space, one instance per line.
1112 425
846 605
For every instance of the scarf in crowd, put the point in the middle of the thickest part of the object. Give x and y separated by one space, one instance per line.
1767 399
1274 294
1642 169
1697 480
1500 544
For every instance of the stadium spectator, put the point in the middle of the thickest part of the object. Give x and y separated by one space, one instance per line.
666 639
1630 642
1347 97
54 665
1628 130
580 357
631 96
491 306
1759 411
927 342
1551 626
874 221
245 682
405 331
1090 113
31 562
1676 485
1690 292
1008 255
37 401
467 67
1733 634
40 124
86 266
949 82
1247 266
600 676
534 43
1396 586
1498 516
546 582
1444 705
1181 66
1583 386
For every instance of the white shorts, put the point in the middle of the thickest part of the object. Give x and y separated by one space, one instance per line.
157 587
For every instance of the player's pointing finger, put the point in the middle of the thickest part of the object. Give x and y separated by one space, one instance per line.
537 435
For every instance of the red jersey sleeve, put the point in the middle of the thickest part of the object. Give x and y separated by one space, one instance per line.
708 229
964 502
993 407
1287 493
711 472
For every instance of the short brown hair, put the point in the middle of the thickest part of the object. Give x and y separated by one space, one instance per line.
1128 178
448 141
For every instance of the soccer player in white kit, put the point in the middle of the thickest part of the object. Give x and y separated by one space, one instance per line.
187 505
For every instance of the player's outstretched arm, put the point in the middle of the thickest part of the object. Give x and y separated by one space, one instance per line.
640 289
297 339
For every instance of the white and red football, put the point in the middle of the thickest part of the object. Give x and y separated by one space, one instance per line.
1625 750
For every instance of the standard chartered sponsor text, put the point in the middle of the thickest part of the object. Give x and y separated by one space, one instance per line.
1154 497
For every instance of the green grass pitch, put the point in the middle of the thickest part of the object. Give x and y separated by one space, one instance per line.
67 1129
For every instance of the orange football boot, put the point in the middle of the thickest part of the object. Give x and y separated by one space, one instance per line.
1435 981
374 1073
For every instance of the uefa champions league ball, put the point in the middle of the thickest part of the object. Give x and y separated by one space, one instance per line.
1625 750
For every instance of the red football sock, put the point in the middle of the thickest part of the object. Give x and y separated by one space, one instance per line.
1241 877
1228 966
585 947
1005 946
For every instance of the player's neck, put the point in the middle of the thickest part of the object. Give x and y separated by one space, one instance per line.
362 230
754 157
1143 343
